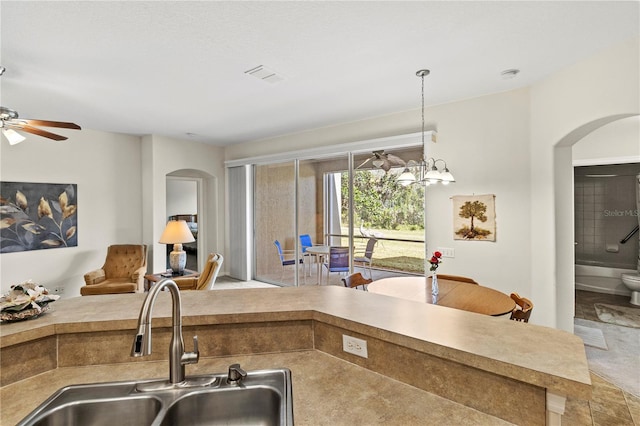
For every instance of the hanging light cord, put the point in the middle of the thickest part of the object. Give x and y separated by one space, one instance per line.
422 74
422 77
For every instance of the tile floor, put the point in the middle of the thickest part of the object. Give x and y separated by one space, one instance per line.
586 299
609 404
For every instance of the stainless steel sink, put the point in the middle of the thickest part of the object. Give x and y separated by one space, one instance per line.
260 398
240 406
133 410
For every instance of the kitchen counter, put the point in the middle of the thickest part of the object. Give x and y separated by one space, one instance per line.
326 390
486 363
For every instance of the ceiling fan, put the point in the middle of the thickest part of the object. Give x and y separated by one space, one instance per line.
384 161
10 122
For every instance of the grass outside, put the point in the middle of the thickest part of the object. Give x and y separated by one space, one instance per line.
395 255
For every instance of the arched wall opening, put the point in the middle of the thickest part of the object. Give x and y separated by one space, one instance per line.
564 217
207 218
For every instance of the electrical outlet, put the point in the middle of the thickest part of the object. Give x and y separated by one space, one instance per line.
58 290
447 252
355 346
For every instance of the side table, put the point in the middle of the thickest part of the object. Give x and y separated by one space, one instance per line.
151 279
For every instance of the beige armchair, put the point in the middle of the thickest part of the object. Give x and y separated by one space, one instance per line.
123 271
207 278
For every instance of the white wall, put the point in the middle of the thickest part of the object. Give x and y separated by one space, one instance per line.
163 156
182 196
610 144
564 108
106 168
121 198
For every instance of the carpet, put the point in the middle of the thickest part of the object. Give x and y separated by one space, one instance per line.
590 336
618 315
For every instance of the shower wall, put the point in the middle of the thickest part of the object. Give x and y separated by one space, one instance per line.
605 212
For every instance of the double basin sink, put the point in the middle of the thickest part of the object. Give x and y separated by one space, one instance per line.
261 397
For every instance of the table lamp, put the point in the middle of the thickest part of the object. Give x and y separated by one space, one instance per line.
176 233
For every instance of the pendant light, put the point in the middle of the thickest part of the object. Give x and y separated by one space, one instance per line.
428 167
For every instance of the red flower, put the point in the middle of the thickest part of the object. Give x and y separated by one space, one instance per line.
435 260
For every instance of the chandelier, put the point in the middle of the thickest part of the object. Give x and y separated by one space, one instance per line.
428 169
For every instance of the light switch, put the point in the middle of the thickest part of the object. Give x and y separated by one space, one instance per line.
447 252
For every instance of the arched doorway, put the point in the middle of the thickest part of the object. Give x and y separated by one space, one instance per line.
564 217
194 192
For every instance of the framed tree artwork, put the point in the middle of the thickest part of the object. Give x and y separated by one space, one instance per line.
474 217
36 216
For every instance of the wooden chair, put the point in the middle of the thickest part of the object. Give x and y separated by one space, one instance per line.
523 309
457 278
207 278
356 280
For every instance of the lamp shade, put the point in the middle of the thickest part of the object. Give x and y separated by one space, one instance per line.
447 177
433 175
176 232
12 136
406 178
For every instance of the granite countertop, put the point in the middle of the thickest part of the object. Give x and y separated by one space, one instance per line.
542 356
326 390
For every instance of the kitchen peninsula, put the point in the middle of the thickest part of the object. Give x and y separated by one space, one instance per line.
457 363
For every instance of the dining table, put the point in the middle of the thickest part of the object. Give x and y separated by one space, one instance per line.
452 294
320 252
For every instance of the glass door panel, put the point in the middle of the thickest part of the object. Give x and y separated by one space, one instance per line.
320 222
274 224
387 216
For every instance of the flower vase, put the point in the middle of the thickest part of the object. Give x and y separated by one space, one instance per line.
434 285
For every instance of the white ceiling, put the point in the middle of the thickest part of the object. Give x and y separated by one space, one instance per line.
177 67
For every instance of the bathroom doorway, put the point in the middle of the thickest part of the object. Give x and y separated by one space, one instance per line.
605 213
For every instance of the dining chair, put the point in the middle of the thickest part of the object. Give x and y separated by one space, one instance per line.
207 277
286 258
305 243
367 258
457 278
338 260
523 308
356 280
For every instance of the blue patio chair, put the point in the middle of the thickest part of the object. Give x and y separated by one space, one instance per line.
283 254
305 243
338 260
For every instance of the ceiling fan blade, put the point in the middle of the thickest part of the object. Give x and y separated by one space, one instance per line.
47 123
394 160
39 132
364 162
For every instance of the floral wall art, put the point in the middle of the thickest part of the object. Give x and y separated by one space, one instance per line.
474 217
36 216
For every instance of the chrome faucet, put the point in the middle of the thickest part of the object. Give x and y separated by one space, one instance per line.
178 358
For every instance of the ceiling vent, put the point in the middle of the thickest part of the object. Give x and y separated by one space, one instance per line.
265 74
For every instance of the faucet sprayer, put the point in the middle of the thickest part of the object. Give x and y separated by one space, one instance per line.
178 358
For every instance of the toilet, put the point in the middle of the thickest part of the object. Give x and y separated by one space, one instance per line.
632 281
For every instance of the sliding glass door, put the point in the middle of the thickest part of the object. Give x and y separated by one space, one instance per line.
276 255
304 207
